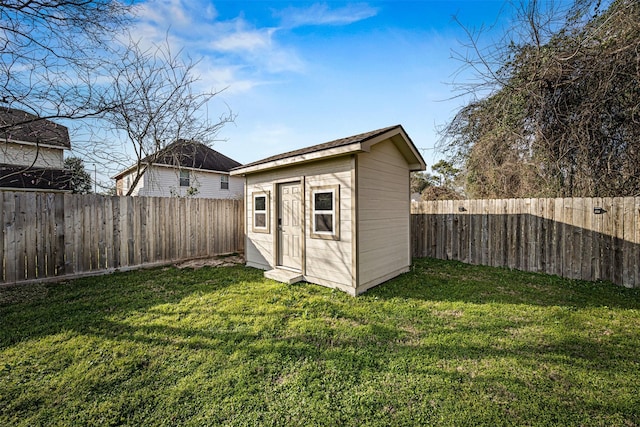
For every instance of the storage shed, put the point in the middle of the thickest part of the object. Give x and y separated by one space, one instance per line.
335 214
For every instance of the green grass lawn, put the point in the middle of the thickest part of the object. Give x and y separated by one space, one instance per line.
447 344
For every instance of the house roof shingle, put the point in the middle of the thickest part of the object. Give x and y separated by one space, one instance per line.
192 154
19 125
189 154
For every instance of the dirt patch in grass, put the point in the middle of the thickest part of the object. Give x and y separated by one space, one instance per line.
219 261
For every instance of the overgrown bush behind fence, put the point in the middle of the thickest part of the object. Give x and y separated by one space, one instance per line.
49 235
579 238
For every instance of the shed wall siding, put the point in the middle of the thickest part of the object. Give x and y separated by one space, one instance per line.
325 262
24 155
383 214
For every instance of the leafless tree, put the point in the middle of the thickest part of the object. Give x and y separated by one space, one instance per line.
49 53
66 59
50 50
154 102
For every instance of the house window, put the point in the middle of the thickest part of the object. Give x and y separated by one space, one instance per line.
224 182
184 179
325 221
261 212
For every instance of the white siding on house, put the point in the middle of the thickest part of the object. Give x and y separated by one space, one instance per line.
123 184
25 154
383 214
161 181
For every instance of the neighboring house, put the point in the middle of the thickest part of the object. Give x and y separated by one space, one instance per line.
335 214
31 152
184 169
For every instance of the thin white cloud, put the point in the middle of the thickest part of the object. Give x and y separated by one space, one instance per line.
242 39
322 14
234 53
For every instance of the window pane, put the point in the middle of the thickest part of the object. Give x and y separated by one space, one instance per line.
260 203
184 178
260 220
224 182
323 201
324 222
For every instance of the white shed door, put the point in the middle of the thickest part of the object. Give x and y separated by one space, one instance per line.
289 225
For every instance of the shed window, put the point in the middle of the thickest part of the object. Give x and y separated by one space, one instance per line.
261 212
325 212
224 182
184 179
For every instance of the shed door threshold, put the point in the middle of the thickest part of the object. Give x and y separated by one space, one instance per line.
283 275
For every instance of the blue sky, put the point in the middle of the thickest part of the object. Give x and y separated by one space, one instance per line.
299 73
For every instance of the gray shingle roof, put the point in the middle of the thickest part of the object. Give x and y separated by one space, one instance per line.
362 137
22 126
189 154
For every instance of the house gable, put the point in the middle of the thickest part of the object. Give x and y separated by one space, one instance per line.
204 166
32 152
188 154
20 126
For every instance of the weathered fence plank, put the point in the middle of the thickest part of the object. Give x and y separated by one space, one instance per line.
46 235
567 237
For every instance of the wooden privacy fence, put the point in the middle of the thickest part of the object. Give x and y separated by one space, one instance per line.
578 238
48 235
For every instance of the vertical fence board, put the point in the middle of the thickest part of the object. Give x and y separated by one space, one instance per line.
588 261
463 231
577 251
496 220
504 245
134 231
537 214
42 234
48 208
567 241
124 231
628 244
21 247
541 260
30 235
618 243
448 242
4 221
9 222
636 258
485 236
59 240
636 268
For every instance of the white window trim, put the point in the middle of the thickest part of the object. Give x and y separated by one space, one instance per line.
180 178
222 181
266 212
335 213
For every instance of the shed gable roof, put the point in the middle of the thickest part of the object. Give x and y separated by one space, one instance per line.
18 125
356 143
